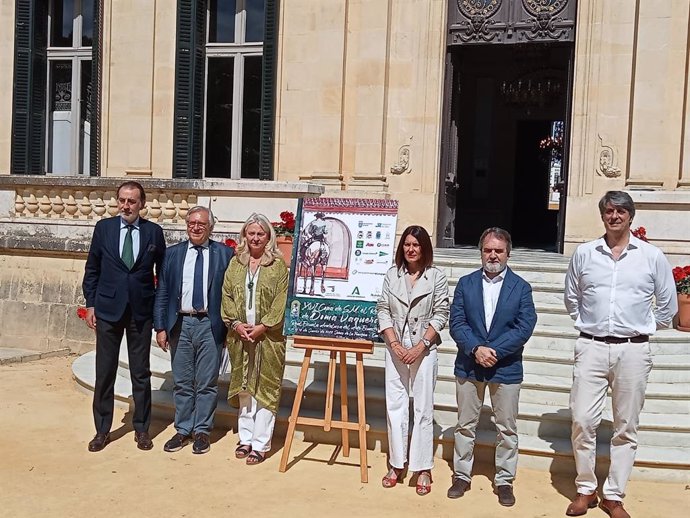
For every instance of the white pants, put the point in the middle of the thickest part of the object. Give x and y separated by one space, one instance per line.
255 423
504 406
419 379
625 368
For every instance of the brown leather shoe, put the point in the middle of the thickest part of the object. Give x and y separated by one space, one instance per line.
505 495
460 485
99 442
614 508
143 440
582 504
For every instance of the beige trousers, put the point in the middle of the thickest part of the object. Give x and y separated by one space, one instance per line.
504 405
625 369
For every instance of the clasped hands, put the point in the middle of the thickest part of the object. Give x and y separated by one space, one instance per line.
408 356
485 356
248 332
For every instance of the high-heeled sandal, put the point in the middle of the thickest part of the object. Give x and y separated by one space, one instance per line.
390 481
423 489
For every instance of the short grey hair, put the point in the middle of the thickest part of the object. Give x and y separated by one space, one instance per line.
501 234
619 199
201 208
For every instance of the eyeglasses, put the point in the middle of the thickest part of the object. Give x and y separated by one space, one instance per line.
196 224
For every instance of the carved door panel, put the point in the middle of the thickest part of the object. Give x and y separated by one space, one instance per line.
510 21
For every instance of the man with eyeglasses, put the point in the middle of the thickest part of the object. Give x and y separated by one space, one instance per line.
188 323
119 290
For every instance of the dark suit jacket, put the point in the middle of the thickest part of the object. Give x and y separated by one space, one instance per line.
512 326
169 292
108 284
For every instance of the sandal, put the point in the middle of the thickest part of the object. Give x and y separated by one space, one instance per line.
242 451
255 457
424 487
391 478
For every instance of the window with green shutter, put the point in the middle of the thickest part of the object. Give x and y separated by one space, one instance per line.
224 93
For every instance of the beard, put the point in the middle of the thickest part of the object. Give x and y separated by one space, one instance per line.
495 267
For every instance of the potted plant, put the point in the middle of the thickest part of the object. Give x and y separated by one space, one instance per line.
285 231
681 274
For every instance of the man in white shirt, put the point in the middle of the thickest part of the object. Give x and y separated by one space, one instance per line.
491 319
609 289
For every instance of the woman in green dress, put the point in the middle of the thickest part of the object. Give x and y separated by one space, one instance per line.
253 306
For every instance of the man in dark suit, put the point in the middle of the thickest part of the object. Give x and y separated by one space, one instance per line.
491 319
119 290
187 321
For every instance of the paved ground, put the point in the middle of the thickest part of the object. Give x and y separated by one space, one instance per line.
46 470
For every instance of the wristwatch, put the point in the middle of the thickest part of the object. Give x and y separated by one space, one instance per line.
426 342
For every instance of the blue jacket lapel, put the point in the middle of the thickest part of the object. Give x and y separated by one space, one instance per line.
478 291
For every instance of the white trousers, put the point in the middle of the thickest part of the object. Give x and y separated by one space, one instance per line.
625 369
255 423
418 380
504 406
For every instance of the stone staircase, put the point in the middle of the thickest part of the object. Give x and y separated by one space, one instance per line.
544 418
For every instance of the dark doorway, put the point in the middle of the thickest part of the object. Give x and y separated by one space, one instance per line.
509 105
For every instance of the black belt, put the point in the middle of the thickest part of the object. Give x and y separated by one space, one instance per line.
616 339
197 314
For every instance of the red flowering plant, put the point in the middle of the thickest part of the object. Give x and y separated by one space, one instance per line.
231 243
81 313
640 233
286 225
681 274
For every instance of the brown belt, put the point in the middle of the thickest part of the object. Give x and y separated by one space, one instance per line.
616 339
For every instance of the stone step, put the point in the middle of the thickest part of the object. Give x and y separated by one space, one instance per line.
669 462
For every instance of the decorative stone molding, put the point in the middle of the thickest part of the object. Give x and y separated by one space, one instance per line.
606 161
35 202
403 163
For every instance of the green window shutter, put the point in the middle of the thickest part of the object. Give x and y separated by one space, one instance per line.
268 91
29 92
96 89
189 88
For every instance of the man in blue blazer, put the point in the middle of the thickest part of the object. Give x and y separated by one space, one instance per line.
187 321
119 289
491 319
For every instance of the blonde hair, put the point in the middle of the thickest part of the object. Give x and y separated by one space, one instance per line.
271 252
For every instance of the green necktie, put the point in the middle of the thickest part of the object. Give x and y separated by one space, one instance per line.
128 249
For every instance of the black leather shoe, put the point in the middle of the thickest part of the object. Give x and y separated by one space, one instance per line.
177 442
201 443
143 440
460 485
99 442
505 495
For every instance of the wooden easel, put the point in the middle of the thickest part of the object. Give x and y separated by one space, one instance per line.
335 346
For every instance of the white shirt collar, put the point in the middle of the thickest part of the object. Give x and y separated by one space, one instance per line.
123 223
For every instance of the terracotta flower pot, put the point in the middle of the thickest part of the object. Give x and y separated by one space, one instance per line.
285 246
683 312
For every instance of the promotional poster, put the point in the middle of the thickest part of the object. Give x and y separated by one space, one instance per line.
343 249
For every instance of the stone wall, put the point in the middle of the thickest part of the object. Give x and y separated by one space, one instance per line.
39 297
630 119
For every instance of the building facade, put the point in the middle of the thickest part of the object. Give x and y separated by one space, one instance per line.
515 113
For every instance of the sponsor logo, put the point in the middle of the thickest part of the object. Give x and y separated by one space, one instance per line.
355 291
382 253
360 235
359 244
358 252
370 244
369 234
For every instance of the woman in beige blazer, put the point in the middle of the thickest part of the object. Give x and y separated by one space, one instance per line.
412 311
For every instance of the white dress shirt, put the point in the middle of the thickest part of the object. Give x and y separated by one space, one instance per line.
188 278
135 236
491 289
608 297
